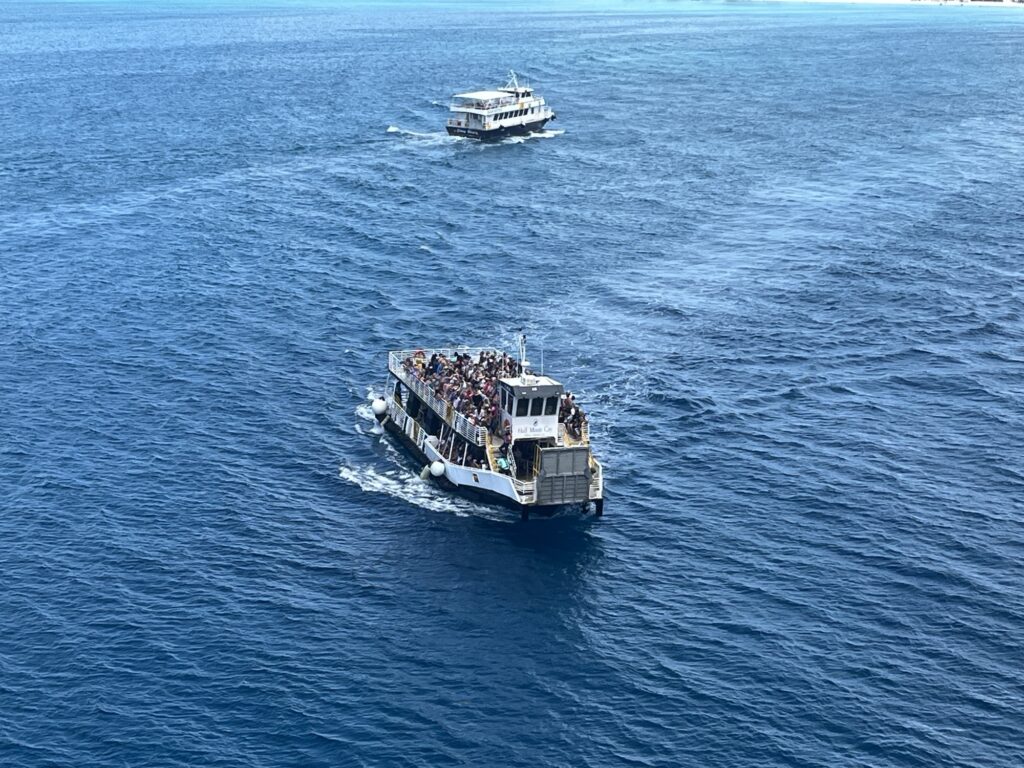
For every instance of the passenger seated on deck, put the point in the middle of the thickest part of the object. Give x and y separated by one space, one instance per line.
502 464
572 423
577 421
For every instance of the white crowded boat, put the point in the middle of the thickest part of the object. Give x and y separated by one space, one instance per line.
484 425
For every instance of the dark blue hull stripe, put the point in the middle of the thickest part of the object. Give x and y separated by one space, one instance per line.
497 134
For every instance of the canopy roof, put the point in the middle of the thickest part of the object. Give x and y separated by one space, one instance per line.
534 386
482 95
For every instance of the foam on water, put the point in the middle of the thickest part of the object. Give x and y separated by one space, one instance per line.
425 137
547 134
404 486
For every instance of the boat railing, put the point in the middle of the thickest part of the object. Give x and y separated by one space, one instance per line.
472 432
397 357
492 104
595 479
534 101
525 488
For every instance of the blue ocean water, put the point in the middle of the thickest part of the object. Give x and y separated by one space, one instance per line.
775 249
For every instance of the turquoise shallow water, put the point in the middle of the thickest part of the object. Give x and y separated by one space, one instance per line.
774 249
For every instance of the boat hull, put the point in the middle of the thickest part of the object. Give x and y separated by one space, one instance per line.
480 495
497 134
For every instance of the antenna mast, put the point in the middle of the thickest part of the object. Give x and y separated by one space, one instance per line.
523 362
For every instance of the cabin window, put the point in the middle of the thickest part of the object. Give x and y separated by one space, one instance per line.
551 406
537 406
522 406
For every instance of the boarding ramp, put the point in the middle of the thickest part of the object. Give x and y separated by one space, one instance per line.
563 475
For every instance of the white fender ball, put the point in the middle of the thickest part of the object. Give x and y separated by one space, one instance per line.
437 468
379 407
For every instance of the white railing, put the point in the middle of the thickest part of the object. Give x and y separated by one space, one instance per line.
511 465
525 489
595 481
481 106
529 102
397 356
397 414
472 432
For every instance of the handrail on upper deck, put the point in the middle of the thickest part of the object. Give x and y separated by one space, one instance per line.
472 432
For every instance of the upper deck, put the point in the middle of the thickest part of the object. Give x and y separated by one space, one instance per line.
412 379
531 405
512 94
487 102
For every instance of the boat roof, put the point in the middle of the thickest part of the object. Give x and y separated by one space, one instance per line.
482 95
532 386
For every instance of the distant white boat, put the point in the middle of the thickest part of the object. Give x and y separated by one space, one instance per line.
512 110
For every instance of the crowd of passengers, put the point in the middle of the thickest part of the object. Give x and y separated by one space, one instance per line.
471 387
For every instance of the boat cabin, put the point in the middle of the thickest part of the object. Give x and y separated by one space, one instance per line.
519 91
530 405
